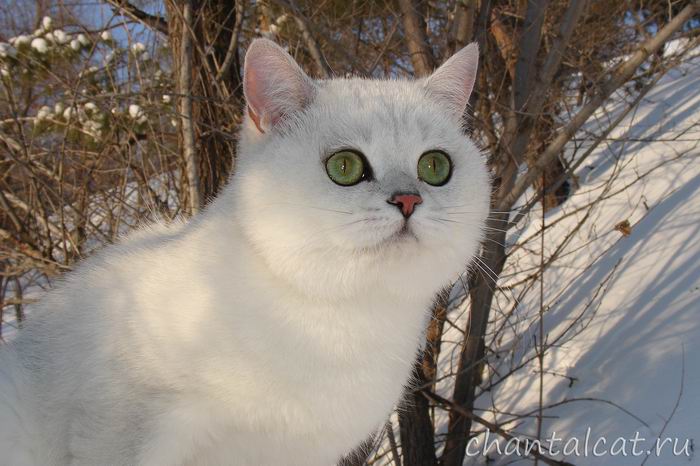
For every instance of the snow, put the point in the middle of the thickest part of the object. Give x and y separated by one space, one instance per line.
134 111
40 45
61 37
7 50
137 48
84 41
43 113
633 301
90 108
21 40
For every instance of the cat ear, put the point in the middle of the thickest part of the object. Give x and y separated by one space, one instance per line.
273 84
453 82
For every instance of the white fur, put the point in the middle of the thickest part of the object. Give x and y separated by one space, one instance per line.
279 327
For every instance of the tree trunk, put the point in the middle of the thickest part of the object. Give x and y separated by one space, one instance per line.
214 28
415 425
412 16
471 357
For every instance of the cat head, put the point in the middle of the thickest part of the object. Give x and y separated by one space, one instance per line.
348 185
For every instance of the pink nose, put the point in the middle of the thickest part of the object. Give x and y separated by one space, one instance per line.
406 202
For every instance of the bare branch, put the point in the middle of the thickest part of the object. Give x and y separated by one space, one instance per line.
19 203
233 44
463 27
417 41
556 54
536 94
186 123
314 48
530 40
614 124
127 9
619 76
489 425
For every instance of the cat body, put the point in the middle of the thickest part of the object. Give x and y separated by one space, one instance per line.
280 325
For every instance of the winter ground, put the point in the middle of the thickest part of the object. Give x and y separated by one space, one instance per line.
622 313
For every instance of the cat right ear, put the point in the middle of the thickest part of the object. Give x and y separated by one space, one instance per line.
453 82
273 84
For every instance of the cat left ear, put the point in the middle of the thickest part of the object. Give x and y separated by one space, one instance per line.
273 84
453 82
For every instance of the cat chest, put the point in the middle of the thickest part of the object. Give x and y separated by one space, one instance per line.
343 382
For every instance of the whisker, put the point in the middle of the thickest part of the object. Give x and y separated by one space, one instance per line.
465 212
439 219
486 275
309 207
496 242
494 229
486 269
331 210
495 278
470 204
493 219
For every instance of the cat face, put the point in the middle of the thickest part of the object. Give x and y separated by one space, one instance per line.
349 184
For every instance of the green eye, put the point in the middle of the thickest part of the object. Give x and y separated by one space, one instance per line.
435 168
345 168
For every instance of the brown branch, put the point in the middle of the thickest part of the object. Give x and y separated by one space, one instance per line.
603 137
556 54
127 9
489 425
533 101
620 75
385 47
472 351
530 41
186 123
233 44
19 203
30 252
306 32
504 40
463 27
392 443
416 38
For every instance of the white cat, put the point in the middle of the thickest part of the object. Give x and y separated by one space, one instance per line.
278 327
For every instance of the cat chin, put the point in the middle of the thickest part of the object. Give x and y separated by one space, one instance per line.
402 237
402 267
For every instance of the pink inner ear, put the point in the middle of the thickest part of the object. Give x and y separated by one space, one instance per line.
255 92
252 93
255 119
